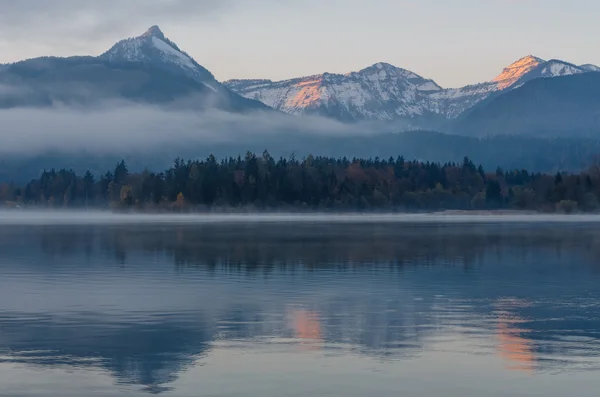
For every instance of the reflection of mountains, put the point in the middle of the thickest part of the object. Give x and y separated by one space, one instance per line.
145 353
394 312
546 336
152 350
514 345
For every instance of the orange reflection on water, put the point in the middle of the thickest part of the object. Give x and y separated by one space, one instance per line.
307 327
514 347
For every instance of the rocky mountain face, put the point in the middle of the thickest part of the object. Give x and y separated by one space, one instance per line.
385 92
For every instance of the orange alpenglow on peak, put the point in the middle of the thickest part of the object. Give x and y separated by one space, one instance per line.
308 93
514 72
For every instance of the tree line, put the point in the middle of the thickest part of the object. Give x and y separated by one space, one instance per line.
261 182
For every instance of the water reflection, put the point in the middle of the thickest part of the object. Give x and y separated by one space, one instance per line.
513 344
144 353
146 304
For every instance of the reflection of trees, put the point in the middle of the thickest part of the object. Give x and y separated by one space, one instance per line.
270 246
153 352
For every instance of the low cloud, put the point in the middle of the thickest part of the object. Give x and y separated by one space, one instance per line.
127 128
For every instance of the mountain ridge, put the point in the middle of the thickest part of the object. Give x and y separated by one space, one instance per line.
562 106
408 96
380 92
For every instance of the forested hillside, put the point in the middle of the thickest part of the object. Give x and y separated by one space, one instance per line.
314 183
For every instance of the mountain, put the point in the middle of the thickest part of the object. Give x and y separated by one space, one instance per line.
590 68
87 81
147 69
154 48
151 68
541 107
385 92
453 102
379 92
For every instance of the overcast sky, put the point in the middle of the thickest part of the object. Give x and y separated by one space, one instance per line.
455 42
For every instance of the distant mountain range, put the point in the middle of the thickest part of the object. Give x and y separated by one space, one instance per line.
530 96
385 92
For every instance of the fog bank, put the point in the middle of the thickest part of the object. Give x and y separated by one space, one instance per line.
123 128
55 218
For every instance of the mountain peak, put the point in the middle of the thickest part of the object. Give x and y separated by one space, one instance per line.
529 59
155 49
516 70
384 65
385 69
154 31
381 66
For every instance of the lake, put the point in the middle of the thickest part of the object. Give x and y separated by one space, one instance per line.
105 305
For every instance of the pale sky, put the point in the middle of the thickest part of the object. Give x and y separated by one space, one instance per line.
455 42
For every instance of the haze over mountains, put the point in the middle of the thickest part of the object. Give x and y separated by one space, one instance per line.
153 69
147 100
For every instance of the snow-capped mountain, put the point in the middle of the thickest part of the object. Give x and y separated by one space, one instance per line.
380 92
385 92
551 107
153 47
590 68
152 68
145 69
452 102
513 73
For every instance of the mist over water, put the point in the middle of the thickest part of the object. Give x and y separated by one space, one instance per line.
284 304
84 217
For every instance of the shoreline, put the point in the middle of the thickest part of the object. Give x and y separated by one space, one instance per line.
63 217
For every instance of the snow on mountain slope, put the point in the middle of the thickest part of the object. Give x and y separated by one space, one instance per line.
554 68
590 68
380 92
516 71
451 102
386 92
454 101
154 48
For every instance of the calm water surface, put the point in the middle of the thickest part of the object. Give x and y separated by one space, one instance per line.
297 309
